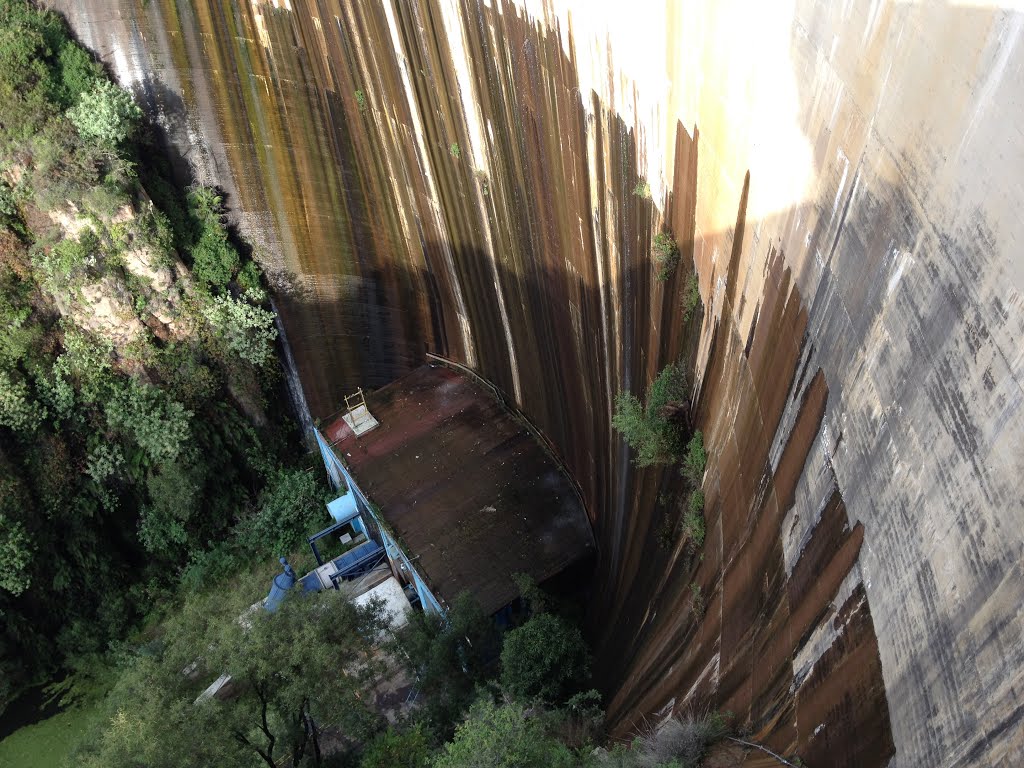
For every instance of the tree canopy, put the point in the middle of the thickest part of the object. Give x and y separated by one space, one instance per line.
545 658
293 672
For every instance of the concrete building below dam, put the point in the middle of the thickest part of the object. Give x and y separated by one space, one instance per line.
458 492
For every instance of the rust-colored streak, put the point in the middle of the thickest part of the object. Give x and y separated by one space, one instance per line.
845 694
831 535
741 653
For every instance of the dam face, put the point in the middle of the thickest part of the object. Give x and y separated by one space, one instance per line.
467 177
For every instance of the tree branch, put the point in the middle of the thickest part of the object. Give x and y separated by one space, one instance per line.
265 727
299 748
767 751
316 740
244 741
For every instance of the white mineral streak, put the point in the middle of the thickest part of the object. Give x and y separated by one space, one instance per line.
428 176
454 25
386 125
827 632
706 681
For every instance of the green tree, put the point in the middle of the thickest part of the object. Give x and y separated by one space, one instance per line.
293 672
505 736
159 425
545 658
666 255
247 331
106 113
214 259
79 72
653 429
289 507
691 297
15 556
19 410
449 656
393 748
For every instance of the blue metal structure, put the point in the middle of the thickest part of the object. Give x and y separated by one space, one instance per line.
343 509
342 478
279 588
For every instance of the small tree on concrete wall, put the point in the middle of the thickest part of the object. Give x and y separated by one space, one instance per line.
655 429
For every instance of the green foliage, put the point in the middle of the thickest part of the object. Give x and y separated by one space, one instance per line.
642 189
106 114
393 748
65 166
666 255
9 209
649 429
69 259
286 670
28 39
175 492
19 411
449 658
361 101
214 259
150 418
246 330
106 460
532 595
290 508
695 460
691 297
249 279
695 503
15 556
669 387
693 524
455 151
506 736
545 658
697 606
86 361
666 534
79 73
124 463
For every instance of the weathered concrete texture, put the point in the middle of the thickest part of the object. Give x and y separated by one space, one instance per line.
458 175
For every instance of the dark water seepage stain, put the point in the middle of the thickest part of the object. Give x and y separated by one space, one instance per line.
352 161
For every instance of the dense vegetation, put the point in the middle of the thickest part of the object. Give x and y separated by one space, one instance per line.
137 360
308 666
306 689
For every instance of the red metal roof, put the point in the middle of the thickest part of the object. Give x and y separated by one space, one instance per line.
469 491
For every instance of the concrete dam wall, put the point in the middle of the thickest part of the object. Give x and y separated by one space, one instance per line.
467 177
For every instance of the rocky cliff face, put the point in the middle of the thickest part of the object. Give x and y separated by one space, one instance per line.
459 176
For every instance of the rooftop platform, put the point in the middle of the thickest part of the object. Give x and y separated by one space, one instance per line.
468 490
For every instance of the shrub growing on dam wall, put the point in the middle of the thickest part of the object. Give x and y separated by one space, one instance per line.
695 461
652 429
666 255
